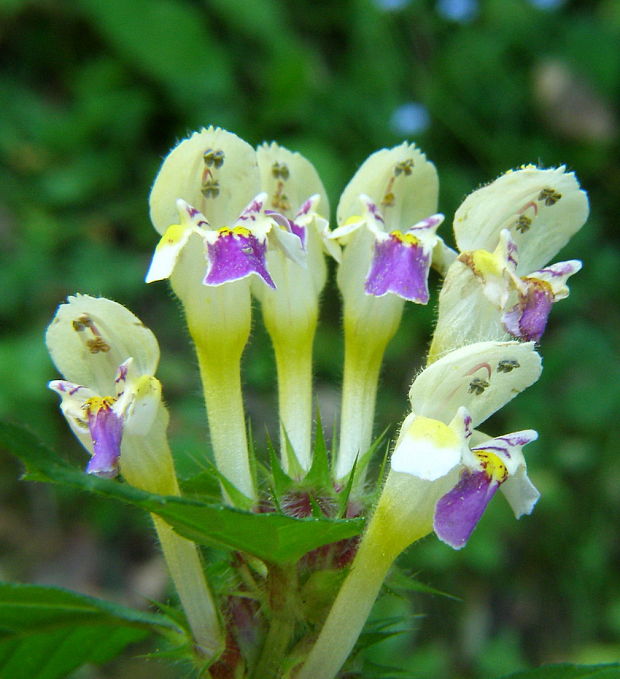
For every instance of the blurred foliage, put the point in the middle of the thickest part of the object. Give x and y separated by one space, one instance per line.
94 94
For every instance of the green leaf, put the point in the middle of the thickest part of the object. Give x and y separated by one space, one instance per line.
204 486
46 632
272 537
567 671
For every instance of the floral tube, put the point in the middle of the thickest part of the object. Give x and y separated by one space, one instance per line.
386 224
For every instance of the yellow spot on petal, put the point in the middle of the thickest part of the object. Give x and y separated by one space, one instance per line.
406 238
351 220
96 403
492 465
172 236
482 263
241 231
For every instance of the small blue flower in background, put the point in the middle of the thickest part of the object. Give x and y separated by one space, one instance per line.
391 5
546 4
458 10
410 118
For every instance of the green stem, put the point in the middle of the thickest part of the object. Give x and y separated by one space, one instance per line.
282 585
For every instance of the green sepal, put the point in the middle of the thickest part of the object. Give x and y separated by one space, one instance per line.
295 470
343 497
281 482
377 631
237 498
398 582
317 512
365 459
319 474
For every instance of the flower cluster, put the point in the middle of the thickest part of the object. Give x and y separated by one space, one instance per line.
236 223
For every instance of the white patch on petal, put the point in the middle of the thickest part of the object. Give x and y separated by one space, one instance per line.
143 405
290 244
354 223
167 253
426 448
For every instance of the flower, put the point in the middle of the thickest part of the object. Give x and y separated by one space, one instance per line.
506 231
389 247
429 450
443 473
206 176
109 358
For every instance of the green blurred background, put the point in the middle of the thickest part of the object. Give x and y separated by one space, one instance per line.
94 94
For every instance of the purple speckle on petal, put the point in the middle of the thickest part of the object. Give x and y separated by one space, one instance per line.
559 270
467 423
106 432
121 375
251 211
400 267
305 208
458 511
374 211
234 256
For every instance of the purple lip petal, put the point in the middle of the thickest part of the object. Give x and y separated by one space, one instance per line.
106 432
236 255
399 266
459 510
527 319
